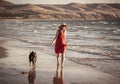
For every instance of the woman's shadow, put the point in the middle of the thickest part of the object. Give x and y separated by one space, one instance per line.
32 75
59 76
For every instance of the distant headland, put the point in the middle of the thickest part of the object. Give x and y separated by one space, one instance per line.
71 11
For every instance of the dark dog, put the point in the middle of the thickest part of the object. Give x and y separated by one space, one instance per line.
32 58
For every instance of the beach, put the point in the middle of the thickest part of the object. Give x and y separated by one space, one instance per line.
92 57
16 70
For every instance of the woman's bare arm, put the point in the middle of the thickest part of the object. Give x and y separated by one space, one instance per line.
54 40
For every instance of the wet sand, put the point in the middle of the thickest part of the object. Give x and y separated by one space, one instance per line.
106 65
15 68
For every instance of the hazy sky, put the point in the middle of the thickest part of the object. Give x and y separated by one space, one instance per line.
62 1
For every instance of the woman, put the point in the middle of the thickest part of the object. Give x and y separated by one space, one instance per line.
60 43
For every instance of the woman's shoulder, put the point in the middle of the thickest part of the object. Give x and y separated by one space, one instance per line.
58 31
65 32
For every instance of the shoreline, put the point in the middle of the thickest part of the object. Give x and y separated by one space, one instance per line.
18 71
110 66
65 19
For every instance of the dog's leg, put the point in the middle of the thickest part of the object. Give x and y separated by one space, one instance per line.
30 63
33 63
30 59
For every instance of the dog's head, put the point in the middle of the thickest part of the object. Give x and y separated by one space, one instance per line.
32 53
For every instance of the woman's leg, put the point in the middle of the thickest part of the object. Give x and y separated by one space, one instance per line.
58 57
62 59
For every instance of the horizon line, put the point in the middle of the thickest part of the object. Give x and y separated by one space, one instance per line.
65 3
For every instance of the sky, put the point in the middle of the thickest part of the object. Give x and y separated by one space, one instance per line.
61 1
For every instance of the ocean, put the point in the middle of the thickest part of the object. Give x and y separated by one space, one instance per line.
93 38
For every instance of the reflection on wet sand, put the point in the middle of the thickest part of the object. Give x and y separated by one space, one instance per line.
59 76
32 75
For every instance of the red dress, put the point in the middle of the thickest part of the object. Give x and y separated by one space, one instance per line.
60 46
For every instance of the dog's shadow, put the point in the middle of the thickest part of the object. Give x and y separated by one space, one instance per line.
32 75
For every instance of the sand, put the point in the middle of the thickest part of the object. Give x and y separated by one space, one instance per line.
14 68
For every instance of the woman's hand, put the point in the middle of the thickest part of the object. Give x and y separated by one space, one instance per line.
53 42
